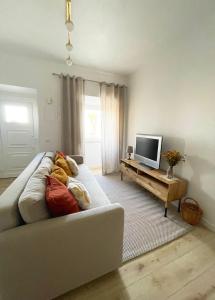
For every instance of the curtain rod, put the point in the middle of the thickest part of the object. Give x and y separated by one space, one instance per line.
90 80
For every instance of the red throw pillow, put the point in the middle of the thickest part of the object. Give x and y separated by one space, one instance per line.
59 200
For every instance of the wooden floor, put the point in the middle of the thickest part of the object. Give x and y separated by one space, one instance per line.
4 183
181 270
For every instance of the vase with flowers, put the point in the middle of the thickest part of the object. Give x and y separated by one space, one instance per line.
173 157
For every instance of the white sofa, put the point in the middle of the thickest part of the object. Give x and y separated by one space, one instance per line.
43 260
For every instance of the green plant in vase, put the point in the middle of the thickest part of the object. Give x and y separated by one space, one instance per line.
173 157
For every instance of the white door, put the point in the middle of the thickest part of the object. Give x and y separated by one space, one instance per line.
18 129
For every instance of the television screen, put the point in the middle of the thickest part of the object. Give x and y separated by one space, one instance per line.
148 150
147 147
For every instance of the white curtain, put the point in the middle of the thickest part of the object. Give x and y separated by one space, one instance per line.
113 107
72 114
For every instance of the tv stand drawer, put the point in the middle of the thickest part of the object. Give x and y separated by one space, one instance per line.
155 187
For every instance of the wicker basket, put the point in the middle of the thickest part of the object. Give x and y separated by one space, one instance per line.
191 211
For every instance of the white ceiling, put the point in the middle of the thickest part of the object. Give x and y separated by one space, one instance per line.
111 35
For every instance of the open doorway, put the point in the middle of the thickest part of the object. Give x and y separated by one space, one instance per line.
92 136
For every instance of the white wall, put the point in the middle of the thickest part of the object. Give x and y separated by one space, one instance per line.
173 94
37 73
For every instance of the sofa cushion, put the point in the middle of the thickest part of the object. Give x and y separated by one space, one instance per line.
59 173
59 199
80 192
62 163
97 196
50 155
72 165
59 154
32 205
9 213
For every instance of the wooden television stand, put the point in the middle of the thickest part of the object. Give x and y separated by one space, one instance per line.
155 181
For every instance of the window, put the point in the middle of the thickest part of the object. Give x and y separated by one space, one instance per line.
16 114
92 119
92 125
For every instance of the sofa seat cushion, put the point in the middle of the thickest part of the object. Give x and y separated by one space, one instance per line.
97 196
32 205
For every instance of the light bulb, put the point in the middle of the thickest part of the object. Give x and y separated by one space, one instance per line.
69 25
69 61
69 44
69 47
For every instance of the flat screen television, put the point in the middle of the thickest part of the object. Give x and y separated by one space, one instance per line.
148 150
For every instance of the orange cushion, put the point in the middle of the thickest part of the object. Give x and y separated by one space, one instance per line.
59 200
59 154
62 163
60 174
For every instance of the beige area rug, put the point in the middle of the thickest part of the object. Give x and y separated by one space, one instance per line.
146 228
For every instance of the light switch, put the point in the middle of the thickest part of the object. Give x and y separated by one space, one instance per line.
50 100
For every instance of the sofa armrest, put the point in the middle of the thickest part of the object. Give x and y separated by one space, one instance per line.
48 258
78 158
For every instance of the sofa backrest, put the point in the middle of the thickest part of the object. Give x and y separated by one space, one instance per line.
9 212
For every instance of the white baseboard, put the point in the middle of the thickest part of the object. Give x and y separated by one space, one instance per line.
208 224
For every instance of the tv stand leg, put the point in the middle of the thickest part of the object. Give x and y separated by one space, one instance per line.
166 207
179 205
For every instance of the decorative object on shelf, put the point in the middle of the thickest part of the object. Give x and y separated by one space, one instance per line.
173 157
170 172
130 151
69 26
191 212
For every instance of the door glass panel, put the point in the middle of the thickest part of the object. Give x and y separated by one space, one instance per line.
16 114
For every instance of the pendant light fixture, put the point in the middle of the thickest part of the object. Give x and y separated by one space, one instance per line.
68 22
69 61
69 44
69 26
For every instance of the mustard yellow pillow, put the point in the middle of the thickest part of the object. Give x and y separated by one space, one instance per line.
59 174
62 163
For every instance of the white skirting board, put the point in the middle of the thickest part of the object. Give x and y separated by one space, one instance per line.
208 225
